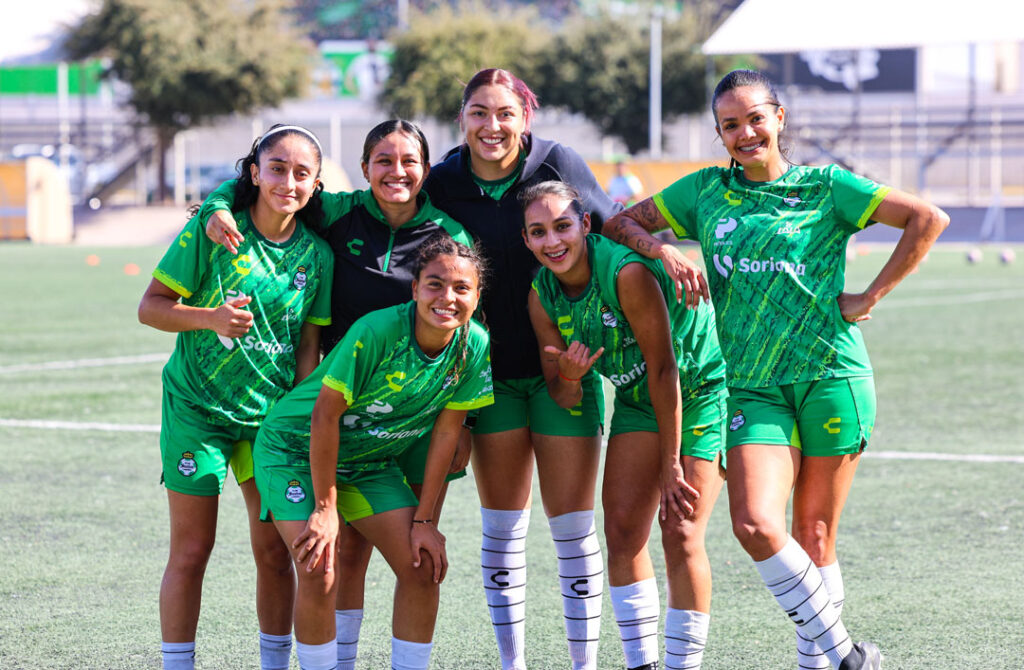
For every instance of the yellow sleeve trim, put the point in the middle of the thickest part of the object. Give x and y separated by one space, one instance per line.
317 321
482 401
659 202
171 283
341 387
876 200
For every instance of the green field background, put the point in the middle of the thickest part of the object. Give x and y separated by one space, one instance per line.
930 548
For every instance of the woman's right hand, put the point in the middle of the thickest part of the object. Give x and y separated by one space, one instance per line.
222 229
575 361
688 276
230 320
316 542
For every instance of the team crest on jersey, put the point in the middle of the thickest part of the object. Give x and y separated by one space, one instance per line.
608 317
187 465
737 420
295 493
792 199
299 280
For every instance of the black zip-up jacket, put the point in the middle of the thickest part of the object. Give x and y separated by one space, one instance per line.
497 224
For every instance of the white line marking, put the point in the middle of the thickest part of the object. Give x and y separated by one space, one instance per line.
955 299
85 363
75 425
934 456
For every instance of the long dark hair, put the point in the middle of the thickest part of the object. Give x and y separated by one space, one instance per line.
247 193
755 79
442 244
385 128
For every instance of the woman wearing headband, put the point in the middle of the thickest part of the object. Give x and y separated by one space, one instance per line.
248 329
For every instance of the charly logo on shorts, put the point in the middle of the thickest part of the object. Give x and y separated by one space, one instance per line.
187 465
295 493
608 317
737 420
299 280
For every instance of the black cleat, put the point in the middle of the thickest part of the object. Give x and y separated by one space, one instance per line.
653 665
865 656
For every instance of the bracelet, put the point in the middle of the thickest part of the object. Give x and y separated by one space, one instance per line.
566 378
423 521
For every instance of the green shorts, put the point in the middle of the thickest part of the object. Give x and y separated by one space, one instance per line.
285 485
828 417
520 403
196 448
413 462
703 422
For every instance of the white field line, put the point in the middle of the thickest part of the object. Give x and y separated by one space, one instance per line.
951 299
85 363
78 425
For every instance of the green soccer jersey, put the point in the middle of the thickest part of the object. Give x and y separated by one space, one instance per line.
393 390
776 254
596 319
238 380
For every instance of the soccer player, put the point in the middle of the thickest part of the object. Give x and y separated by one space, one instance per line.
399 373
249 328
477 183
597 304
802 401
376 235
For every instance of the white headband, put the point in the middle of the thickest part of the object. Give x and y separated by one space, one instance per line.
298 129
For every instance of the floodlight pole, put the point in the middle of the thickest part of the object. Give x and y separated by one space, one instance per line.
654 137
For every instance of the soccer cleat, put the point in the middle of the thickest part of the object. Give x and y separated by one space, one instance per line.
865 656
653 665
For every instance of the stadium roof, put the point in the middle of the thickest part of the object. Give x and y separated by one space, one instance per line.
790 26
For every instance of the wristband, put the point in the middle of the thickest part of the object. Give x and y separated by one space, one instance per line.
566 378
423 521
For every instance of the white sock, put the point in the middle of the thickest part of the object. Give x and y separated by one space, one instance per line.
410 655
792 578
347 624
581 576
809 654
686 634
178 655
317 656
503 564
275 651
636 608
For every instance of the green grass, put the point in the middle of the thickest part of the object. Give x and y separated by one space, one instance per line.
929 548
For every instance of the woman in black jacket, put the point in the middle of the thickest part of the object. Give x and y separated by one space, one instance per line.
478 184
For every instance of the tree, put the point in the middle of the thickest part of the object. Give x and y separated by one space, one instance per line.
600 67
442 49
189 61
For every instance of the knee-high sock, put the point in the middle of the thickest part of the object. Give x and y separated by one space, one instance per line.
317 656
793 579
178 655
581 577
686 634
410 655
346 625
636 608
275 651
809 654
503 565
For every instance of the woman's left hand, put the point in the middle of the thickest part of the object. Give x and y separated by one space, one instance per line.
317 541
855 306
676 493
426 537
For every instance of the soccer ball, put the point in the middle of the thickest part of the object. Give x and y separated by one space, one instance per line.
974 256
1007 256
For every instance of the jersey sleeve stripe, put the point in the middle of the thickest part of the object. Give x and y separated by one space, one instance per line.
876 200
317 321
341 387
677 228
482 401
171 283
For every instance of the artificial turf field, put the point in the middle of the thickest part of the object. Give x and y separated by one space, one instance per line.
929 545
